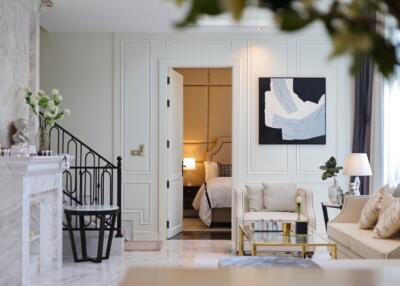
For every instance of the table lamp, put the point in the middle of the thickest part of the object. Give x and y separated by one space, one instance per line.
189 164
357 164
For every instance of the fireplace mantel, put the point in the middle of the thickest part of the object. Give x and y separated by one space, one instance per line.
31 216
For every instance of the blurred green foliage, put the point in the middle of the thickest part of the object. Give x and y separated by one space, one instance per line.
356 27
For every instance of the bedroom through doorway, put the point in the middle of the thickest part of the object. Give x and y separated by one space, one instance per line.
206 154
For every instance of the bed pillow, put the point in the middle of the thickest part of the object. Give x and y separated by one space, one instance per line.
280 197
210 170
224 170
389 221
370 212
255 197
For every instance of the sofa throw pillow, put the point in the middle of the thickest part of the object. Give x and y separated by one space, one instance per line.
280 197
389 222
370 213
224 170
396 192
255 197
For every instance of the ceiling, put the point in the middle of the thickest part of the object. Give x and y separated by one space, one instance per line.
110 16
139 16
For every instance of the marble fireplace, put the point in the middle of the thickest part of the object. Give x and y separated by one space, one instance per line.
31 216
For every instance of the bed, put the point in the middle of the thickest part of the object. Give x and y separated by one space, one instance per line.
214 198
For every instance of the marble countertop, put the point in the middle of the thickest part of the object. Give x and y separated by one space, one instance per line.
34 165
35 159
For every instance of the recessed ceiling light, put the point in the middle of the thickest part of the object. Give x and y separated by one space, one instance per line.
259 28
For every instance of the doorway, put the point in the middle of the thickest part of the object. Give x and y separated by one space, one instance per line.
199 152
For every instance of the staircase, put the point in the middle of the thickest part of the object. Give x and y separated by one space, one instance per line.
91 179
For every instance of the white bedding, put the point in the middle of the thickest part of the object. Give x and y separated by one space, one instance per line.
220 193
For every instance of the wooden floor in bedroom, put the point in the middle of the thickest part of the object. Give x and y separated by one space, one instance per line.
194 228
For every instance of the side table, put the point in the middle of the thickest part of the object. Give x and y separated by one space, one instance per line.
325 206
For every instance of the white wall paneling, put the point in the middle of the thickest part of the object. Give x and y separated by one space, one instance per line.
140 65
135 91
136 199
191 47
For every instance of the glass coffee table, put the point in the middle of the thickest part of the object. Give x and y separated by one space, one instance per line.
305 242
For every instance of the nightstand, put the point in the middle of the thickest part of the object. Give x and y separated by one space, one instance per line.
189 193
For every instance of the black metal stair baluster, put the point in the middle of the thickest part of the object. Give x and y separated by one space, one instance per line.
90 179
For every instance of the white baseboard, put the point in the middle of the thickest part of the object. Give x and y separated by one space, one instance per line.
145 236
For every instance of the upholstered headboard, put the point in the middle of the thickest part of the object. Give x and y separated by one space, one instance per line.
221 151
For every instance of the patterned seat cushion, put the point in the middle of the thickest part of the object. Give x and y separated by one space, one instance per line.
265 215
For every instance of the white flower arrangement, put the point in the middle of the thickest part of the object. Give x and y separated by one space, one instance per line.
46 106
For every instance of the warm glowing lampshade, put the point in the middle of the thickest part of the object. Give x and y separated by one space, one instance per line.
189 164
357 164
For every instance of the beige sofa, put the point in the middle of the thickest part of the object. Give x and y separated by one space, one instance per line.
354 242
247 217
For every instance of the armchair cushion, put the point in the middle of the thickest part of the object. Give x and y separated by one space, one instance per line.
370 212
255 197
280 197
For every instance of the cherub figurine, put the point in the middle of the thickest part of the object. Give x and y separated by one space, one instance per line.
22 133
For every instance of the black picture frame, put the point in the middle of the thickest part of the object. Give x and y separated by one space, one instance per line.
273 136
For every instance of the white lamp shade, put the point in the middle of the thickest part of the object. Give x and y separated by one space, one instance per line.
189 164
357 164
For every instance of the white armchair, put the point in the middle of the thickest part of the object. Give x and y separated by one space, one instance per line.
244 215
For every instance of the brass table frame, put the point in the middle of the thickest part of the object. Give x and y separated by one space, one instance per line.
332 247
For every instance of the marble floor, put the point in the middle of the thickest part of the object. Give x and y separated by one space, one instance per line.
174 253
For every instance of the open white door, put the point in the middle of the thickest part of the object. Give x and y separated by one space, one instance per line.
175 153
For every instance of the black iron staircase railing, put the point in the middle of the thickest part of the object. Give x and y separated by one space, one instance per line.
91 179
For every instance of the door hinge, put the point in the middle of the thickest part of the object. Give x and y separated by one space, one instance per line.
168 80
168 103
167 223
168 144
168 184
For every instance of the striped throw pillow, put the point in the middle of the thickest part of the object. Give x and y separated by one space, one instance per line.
389 222
371 211
224 170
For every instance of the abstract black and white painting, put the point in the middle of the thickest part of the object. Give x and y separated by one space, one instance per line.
292 111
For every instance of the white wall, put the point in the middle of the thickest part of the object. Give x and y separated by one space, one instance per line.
80 65
136 91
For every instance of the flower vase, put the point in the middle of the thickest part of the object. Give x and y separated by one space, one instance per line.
298 212
44 144
333 192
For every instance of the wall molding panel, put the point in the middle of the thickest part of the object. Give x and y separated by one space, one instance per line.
198 46
136 91
136 198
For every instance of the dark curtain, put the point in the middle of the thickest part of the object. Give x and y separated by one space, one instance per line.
363 113
363 108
